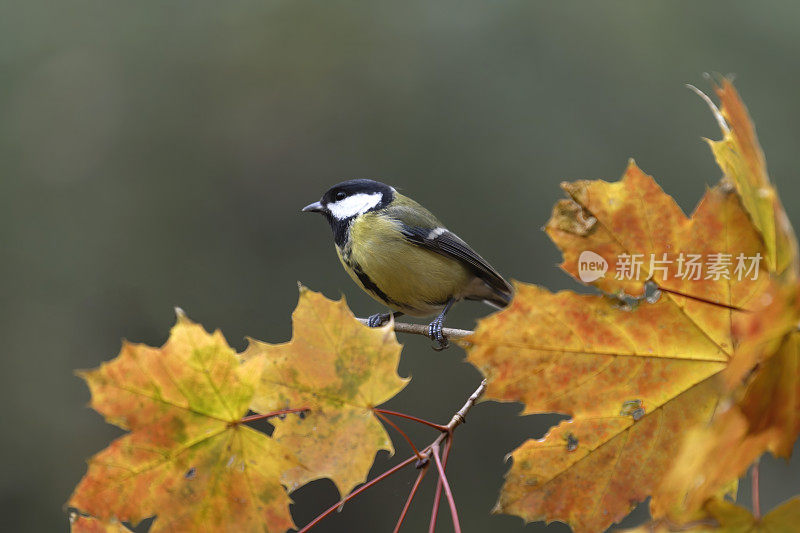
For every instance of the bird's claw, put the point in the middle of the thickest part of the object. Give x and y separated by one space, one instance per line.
378 319
435 333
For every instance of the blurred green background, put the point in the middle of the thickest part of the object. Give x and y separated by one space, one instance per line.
155 154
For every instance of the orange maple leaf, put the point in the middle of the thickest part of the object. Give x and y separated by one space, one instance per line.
634 373
340 369
186 459
630 388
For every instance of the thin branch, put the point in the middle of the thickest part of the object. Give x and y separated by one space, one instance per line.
252 418
409 417
461 416
411 495
755 491
443 478
437 497
447 433
403 433
358 491
422 329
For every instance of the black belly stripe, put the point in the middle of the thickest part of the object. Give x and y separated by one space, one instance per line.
371 286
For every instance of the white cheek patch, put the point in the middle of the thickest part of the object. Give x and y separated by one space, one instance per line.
354 205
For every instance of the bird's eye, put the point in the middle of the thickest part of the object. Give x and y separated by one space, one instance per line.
341 195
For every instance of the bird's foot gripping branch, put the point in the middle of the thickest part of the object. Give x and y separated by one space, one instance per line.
672 392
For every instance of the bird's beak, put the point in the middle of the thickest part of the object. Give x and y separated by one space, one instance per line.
316 207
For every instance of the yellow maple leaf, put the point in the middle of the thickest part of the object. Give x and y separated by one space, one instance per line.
187 459
340 369
724 516
741 158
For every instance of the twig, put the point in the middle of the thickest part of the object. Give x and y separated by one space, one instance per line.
447 433
422 329
437 497
755 490
358 491
443 479
411 495
461 416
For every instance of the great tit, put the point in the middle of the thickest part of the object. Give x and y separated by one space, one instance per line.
403 257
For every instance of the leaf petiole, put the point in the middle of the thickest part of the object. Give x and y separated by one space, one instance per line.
410 417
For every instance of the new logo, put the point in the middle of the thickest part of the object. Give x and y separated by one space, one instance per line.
591 266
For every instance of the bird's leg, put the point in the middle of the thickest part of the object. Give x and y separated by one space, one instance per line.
379 319
435 327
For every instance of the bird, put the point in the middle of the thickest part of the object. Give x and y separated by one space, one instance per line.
400 254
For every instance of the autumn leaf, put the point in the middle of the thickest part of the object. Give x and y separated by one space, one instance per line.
724 516
774 314
642 233
771 401
187 459
766 418
697 474
742 161
88 524
637 370
630 388
633 375
760 411
735 519
338 368
741 158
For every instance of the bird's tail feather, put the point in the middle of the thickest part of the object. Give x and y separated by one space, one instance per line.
500 299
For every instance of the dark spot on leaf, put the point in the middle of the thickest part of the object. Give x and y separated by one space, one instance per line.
632 408
572 442
190 473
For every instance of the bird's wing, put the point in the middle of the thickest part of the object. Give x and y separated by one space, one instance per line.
420 227
447 243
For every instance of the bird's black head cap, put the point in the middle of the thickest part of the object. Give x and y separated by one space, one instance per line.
346 200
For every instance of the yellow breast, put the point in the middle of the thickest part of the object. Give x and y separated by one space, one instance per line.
401 275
